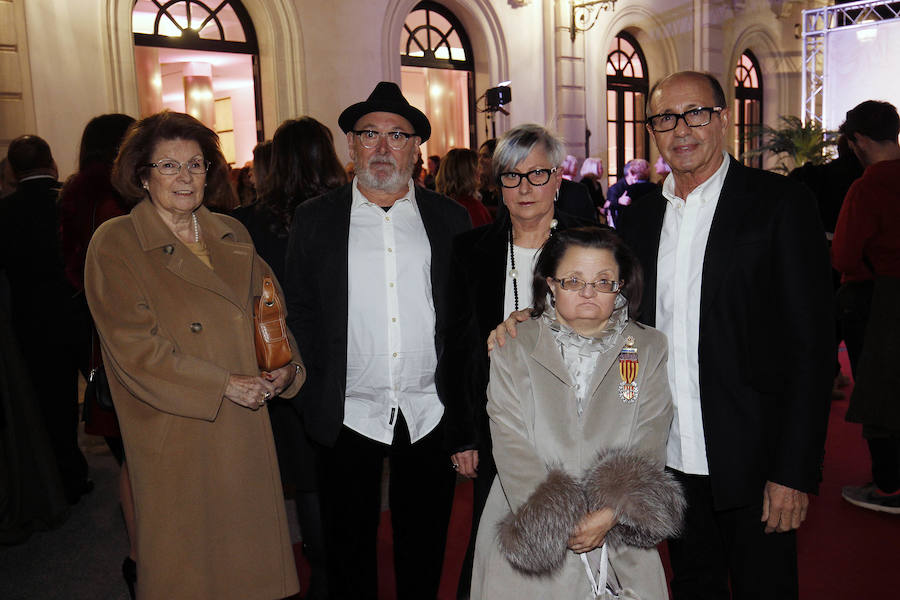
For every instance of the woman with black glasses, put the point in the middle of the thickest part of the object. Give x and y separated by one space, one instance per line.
491 270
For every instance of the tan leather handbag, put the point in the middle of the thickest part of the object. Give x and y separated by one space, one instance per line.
273 350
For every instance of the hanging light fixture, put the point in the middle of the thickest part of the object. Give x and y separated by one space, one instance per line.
584 14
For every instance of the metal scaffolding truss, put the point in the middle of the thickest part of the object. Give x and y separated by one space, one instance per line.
817 23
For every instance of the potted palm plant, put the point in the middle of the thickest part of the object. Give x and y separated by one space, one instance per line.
794 143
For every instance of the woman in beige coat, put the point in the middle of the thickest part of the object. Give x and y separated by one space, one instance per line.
580 411
170 287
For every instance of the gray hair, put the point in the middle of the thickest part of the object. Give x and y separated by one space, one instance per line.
638 167
517 143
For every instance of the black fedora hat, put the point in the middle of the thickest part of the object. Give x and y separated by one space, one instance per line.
386 97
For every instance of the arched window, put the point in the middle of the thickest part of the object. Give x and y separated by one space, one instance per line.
437 75
627 84
748 107
201 57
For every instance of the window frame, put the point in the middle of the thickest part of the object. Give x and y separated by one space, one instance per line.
621 84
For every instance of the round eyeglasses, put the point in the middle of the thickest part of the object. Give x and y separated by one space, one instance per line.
167 166
396 140
573 284
696 117
538 177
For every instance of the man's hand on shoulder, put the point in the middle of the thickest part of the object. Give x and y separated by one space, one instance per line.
784 508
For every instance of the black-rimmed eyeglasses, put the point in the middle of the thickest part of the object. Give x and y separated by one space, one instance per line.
166 166
395 139
537 177
696 117
573 284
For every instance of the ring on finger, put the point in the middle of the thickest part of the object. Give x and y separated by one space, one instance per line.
455 467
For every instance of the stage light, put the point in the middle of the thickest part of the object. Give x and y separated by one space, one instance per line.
498 96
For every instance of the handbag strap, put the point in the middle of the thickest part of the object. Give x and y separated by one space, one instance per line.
599 587
268 296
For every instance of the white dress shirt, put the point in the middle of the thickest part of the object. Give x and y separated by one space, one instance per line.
391 358
679 268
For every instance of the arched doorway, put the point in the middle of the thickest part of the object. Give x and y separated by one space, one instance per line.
627 84
437 75
748 107
201 57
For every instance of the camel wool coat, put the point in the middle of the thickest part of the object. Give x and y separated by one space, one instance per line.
535 427
208 500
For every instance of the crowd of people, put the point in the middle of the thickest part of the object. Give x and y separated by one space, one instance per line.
612 370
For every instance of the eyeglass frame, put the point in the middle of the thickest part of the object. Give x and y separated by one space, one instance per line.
617 284
527 176
383 134
155 165
709 109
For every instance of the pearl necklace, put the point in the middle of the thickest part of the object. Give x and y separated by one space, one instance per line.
513 272
196 228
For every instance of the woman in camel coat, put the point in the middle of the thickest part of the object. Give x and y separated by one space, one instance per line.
579 449
171 287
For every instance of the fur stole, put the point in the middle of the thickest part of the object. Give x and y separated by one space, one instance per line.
649 503
649 506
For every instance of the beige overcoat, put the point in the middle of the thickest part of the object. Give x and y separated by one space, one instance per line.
535 425
208 500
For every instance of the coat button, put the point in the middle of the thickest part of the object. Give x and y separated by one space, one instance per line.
169 249
196 327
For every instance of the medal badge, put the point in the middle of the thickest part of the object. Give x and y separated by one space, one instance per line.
628 370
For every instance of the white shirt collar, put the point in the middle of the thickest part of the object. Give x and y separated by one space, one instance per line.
703 193
32 177
359 199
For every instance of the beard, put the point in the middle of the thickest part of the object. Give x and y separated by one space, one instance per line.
392 181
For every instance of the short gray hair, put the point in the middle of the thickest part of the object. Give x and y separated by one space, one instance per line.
517 143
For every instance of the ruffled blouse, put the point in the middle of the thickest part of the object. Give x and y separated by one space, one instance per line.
580 354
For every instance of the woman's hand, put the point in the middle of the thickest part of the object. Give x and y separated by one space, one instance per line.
591 530
498 336
281 378
248 391
465 463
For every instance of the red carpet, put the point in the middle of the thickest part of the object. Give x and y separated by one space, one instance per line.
845 551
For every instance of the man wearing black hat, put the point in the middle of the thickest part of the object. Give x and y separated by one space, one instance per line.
365 280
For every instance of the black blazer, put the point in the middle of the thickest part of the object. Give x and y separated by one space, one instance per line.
766 349
477 287
315 284
575 199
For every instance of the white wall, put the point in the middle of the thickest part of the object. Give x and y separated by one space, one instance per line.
66 59
526 46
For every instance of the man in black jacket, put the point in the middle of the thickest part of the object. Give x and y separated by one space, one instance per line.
366 280
43 312
738 278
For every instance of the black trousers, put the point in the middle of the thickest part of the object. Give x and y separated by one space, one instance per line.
719 547
420 497
854 308
885 451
